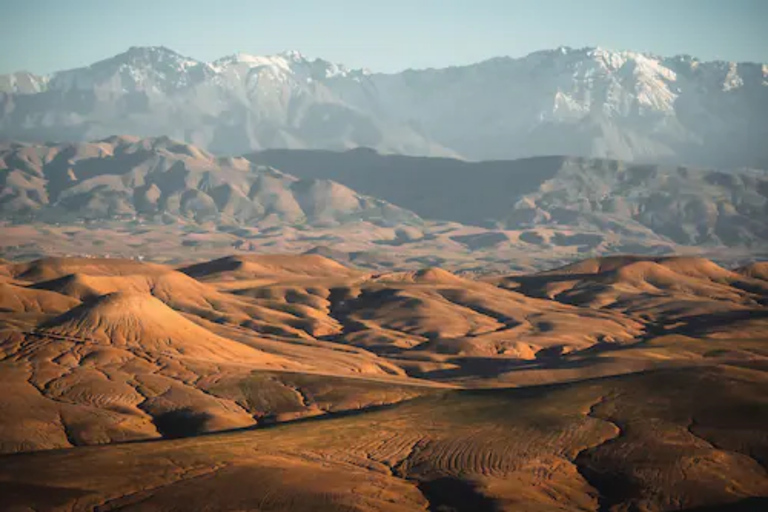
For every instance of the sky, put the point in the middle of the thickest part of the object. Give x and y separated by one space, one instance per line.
43 36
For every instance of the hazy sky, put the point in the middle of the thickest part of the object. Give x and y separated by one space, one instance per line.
390 35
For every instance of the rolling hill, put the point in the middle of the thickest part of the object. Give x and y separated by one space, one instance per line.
612 383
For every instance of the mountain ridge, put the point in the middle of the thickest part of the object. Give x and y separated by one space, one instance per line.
297 55
160 198
589 102
157 177
560 192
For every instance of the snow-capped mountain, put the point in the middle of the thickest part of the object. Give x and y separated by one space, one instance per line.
586 102
592 102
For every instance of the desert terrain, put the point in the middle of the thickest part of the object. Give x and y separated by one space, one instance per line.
293 382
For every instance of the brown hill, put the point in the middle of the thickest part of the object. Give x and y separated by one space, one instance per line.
603 279
690 296
612 443
268 267
159 178
149 352
177 290
52 268
430 275
151 348
18 299
140 321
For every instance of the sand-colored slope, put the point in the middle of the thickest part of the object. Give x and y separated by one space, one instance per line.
434 314
52 268
429 275
140 321
613 281
594 265
180 292
694 267
430 312
65 391
19 299
286 266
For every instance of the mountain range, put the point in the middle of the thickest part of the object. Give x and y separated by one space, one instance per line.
162 198
588 102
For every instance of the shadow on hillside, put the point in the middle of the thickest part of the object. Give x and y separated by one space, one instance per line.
701 324
490 367
181 423
753 504
447 494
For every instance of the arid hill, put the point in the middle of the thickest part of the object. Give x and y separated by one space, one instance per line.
608 444
285 266
613 383
162 179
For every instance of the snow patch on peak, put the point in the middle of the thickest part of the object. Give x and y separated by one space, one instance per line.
732 79
611 60
288 63
566 107
294 55
242 57
153 69
279 62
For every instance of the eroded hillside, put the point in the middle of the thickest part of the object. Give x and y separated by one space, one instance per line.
607 384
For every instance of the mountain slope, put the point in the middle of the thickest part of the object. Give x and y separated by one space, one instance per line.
588 102
557 200
160 178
